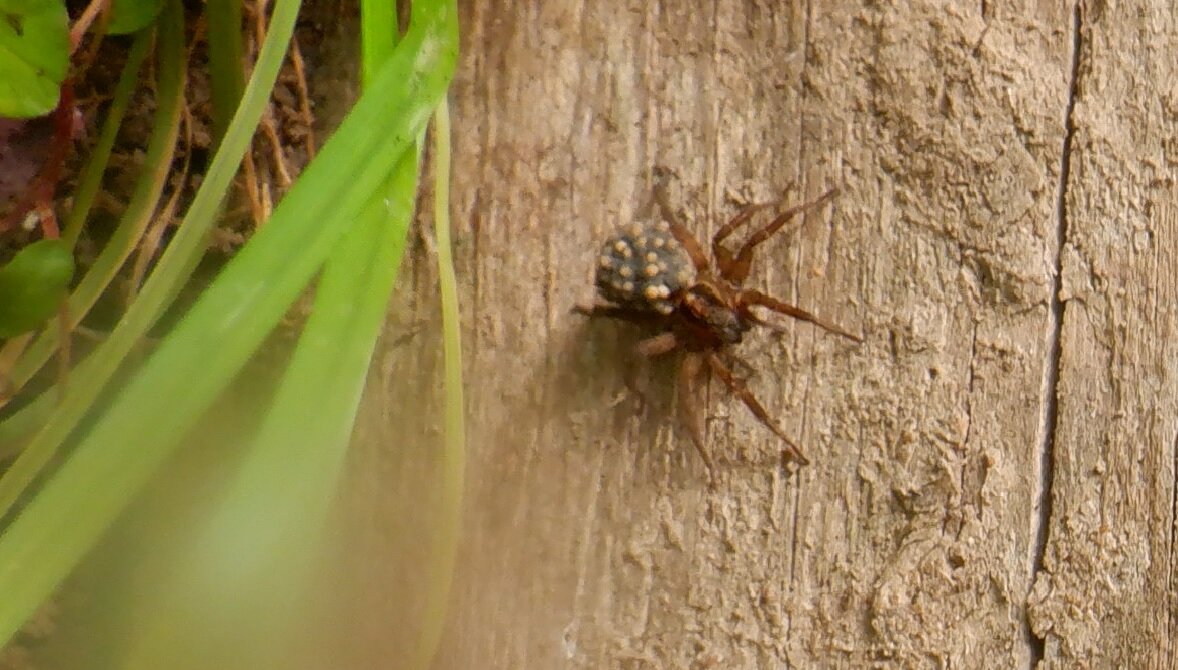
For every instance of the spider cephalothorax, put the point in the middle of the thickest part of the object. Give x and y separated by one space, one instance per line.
657 274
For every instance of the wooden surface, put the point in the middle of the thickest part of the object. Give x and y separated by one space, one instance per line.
994 467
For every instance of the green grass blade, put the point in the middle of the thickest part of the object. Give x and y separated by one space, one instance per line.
441 569
226 78
90 180
171 88
126 445
91 375
378 35
244 608
272 515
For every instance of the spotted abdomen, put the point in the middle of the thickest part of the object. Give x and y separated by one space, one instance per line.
644 267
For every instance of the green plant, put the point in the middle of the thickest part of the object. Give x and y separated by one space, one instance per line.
345 217
33 284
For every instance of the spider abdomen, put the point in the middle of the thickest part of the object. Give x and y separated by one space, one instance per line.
644 267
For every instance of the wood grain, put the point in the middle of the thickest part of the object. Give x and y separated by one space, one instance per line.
1108 593
1003 242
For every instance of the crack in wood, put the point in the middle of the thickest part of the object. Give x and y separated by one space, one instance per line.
1173 544
1055 328
964 474
795 539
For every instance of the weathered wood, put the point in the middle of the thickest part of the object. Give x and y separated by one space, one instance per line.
1108 593
591 538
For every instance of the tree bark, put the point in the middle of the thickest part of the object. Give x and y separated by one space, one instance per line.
993 477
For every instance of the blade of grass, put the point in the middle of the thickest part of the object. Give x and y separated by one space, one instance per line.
91 178
192 364
273 514
87 384
445 550
248 572
226 79
378 36
91 375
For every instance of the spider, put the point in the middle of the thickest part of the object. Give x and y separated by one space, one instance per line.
657 274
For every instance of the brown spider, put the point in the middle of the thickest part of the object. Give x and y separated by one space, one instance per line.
657 274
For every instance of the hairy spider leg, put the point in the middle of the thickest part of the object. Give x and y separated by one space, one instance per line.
742 391
754 297
689 372
737 271
723 256
690 244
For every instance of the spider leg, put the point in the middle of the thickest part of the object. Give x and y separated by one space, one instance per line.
689 372
755 297
738 270
742 391
723 256
684 236
737 361
657 345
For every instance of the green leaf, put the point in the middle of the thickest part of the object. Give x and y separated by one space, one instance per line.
34 56
129 16
33 285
